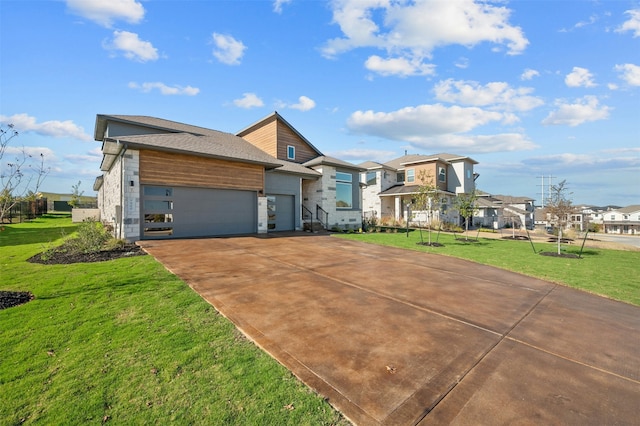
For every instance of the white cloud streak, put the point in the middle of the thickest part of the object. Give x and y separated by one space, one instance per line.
25 123
164 89
630 73
248 100
277 5
438 127
498 95
413 30
579 77
106 12
304 104
132 47
227 50
581 111
632 24
528 74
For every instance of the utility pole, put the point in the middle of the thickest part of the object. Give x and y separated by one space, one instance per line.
550 182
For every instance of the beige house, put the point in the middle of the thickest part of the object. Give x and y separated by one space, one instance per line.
390 188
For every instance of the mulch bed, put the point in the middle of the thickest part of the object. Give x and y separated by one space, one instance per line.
9 299
555 254
431 244
517 237
64 258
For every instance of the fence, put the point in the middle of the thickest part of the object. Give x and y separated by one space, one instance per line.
26 210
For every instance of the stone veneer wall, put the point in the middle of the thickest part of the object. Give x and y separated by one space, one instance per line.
322 192
112 198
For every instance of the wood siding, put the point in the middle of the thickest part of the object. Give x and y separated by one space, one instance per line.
287 137
431 170
163 168
264 137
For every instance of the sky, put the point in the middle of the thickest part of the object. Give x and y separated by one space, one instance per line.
528 89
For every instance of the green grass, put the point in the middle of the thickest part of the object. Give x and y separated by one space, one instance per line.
125 341
610 273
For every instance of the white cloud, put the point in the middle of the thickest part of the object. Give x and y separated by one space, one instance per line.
528 74
132 47
414 29
164 89
31 151
402 67
629 73
228 50
581 111
304 104
437 127
579 77
277 5
494 94
598 160
54 128
248 100
633 24
105 12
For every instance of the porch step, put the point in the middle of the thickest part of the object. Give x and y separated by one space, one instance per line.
313 226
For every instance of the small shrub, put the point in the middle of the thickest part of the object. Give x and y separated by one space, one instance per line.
91 238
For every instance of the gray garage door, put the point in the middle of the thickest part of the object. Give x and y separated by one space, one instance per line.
178 212
281 213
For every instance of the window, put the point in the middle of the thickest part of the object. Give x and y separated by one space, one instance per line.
158 205
291 152
468 173
400 177
411 175
158 191
442 174
371 178
344 193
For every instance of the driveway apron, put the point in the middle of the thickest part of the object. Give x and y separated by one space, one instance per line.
396 337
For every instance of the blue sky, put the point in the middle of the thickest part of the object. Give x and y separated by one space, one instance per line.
526 88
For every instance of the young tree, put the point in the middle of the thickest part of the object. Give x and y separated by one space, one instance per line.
75 195
424 199
466 206
18 177
559 207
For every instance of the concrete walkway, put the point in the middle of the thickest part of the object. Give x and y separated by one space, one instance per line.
395 337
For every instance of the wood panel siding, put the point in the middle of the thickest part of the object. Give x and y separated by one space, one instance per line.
431 170
264 137
287 137
163 168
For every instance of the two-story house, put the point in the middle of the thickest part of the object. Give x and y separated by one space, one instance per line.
164 179
391 187
625 220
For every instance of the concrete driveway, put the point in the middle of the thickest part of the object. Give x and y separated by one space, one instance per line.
395 337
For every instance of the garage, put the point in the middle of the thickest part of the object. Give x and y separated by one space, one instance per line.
281 213
179 212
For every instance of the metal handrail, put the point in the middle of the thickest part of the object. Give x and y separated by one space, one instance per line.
325 222
306 213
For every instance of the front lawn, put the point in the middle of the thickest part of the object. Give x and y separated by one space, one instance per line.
611 273
125 341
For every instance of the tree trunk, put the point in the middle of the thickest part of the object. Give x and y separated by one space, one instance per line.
559 238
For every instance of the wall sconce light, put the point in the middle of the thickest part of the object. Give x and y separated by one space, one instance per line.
131 183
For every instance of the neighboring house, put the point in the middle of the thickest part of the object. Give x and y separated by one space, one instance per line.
625 220
164 179
499 211
390 188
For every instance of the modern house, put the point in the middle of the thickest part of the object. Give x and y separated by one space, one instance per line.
391 187
164 179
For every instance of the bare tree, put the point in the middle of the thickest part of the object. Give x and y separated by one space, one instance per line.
19 179
76 195
466 206
559 207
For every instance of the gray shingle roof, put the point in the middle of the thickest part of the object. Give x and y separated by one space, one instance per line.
156 123
331 161
297 169
221 145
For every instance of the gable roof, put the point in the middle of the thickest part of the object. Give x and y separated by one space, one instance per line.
280 118
400 162
223 146
147 121
629 209
297 169
331 161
